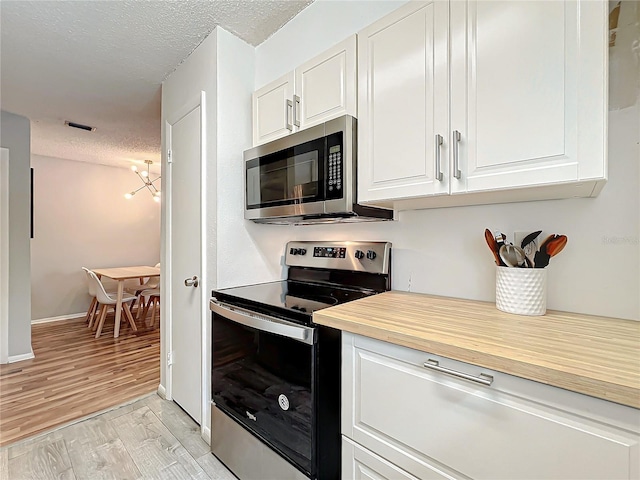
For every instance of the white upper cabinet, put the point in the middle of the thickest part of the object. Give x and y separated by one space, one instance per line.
519 74
273 110
403 103
326 85
500 100
319 90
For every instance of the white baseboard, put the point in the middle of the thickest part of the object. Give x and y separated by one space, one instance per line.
206 434
21 357
58 319
162 392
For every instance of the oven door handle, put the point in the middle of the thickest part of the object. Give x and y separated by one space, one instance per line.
264 323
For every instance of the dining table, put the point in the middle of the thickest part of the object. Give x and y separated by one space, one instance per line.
120 274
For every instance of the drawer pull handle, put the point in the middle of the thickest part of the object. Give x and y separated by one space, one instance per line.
484 379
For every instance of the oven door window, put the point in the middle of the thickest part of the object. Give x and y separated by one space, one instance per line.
288 177
264 382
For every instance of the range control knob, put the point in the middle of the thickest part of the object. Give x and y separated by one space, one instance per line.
371 254
359 254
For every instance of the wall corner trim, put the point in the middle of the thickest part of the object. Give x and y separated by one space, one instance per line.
21 357
162 392
206 434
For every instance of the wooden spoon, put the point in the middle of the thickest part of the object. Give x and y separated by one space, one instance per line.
551 246
493 246
556 245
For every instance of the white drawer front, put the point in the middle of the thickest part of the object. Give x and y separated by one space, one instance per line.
475 430
359 463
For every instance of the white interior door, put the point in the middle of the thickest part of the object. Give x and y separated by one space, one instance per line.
184 140
4 255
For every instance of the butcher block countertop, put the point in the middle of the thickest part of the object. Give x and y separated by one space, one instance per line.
597 356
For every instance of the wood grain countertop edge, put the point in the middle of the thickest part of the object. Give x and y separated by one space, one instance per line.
539 371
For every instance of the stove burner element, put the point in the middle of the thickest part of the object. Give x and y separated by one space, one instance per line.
310 304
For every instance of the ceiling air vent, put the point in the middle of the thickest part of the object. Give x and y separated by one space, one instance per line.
80 126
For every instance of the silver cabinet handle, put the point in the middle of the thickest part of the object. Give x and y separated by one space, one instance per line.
264 323
296 110
484 379
456 160
192 282
439 141
289 107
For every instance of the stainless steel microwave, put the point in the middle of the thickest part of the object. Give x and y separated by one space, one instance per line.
307 177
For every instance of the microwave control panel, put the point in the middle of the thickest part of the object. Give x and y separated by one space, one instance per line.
334 178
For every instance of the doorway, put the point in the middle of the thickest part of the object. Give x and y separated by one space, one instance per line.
185 257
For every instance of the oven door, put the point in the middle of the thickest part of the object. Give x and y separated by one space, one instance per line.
263 377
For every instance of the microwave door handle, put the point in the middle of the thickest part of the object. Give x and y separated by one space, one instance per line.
264 323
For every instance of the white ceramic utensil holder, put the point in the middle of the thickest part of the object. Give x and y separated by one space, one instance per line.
521 290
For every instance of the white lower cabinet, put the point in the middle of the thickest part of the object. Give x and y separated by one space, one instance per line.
403 420
361 464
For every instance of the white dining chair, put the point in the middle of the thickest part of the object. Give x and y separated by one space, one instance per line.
150 284
153 300
93 307
105 300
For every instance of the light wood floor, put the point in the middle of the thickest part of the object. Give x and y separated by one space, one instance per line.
150 438
74 374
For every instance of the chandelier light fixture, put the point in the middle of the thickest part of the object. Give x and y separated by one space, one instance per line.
145 176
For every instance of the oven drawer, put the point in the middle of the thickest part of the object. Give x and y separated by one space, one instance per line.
416 417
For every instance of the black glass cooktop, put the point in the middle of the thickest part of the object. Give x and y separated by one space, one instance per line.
288 299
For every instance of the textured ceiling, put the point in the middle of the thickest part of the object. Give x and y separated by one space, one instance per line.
101 63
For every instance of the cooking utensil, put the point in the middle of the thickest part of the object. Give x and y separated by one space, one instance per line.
512 255
551 246
556 245
493 246
530 238
530 247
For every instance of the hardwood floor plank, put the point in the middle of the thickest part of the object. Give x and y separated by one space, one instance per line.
214 468
46 462
128 441
74 374
4 464
181 425
97 452
20 448
153 447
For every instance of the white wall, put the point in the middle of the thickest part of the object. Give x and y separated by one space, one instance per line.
442 251
81 218
181 90
223 67
15 134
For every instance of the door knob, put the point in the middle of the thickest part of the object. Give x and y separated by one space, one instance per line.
191 282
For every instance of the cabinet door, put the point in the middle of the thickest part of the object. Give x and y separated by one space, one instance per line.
403 103
360 464
528 92
326 85
417 418
273 110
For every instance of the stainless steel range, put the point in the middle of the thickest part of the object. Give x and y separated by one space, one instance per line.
276 375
